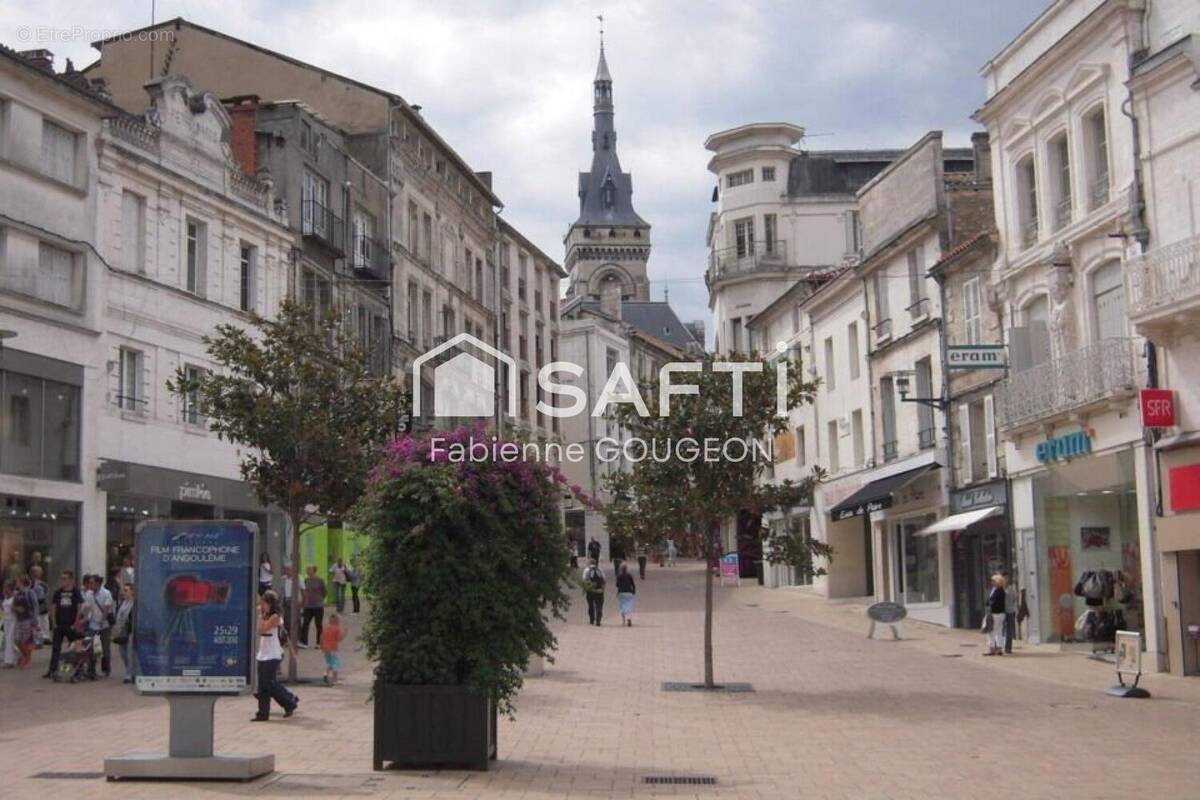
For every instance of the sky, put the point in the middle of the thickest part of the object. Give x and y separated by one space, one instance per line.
508 84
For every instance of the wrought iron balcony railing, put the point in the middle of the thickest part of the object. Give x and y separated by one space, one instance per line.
1165 277
757 256
1088 375
1062 213
370 259
1098 191
322 224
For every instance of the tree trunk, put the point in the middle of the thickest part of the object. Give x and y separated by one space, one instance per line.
297 598
708 609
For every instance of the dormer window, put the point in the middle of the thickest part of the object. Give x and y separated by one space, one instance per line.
608 194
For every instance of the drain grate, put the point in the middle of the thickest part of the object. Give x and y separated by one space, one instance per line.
680 780
68 776
679 686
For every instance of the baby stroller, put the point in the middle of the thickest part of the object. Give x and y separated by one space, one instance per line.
79 660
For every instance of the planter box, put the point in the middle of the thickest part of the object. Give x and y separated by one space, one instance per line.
433 726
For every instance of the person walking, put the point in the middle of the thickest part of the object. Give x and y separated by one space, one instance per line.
100 610
672 551
593 551
127 571
25 614
626 592
1010 612
66 605
995 603
593 590
616 551
10 625
314 606
338 572
289 592
270 655
122 633
265 576
641 559
331 640
42 593
352 574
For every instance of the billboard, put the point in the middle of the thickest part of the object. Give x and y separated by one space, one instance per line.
195 616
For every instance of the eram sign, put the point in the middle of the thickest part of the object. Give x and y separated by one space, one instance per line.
1158 408
975 356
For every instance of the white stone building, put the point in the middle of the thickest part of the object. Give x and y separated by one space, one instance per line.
1067 215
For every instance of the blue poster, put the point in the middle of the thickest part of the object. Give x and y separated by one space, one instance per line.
195 613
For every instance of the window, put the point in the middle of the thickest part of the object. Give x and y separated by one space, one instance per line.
1027 204
413 237
801 447
887 417
735 335
58 152
859 442
413 311
426 237
977 436
853 232
1060 170
926 433
769 232
191 399
611 357
308 142
883 316
58 279
768 174
1096 135
972 321
916 282
314 212
831 429
426 318
479 284
194 257
830 370
917 565
739 178
39 427
133 232
318 293
743 232
246 277
1108 292
362 227
129 380
852 354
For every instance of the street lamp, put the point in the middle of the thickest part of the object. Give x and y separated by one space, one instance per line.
902 388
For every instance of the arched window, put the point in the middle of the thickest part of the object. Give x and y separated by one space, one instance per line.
1027 204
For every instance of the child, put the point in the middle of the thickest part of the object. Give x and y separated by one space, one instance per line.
331 639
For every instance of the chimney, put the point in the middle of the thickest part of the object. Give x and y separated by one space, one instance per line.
42 59
243 111
610 297
982 151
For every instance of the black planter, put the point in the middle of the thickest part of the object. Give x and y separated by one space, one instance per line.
433 726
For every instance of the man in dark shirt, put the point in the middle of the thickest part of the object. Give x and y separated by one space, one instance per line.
65 605
314 605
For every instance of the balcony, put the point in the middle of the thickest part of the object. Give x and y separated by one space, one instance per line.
733 262
1164 287
926 438
320 223
370 260
1084 380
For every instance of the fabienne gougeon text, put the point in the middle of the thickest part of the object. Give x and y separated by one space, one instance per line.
606 449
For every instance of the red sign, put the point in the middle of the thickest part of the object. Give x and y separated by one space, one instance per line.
1185 487
1158 408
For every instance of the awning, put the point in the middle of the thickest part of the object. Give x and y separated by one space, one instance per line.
877 495
956 522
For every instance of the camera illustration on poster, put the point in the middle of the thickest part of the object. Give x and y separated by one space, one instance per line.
195 602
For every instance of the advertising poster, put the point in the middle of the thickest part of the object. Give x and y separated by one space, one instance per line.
194 627
729 567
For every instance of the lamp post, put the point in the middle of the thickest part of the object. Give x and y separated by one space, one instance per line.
902 388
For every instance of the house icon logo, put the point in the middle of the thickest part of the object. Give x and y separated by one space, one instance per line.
465 386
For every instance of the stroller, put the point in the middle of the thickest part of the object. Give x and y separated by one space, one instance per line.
79 660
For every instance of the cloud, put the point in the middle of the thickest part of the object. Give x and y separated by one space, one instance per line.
509 84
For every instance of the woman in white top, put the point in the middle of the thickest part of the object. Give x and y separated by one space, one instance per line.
265 578
270 654
340 573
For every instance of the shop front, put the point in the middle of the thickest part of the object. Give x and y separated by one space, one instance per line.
1179 543
138 492
980 546
1087 553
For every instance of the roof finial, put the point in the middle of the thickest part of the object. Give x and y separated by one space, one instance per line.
601 18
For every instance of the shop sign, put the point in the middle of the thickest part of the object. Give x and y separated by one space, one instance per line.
198 491
729 568
195 617
1185 487
1064 448
862 509
1158 408
989 494
976 356
112 476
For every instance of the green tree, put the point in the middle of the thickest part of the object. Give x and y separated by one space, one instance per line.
302 400
692 491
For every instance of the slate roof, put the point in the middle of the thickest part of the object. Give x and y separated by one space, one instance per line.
655 318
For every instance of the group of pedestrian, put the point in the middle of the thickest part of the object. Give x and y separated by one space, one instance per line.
594 585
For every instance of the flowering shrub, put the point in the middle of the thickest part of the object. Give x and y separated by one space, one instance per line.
465 561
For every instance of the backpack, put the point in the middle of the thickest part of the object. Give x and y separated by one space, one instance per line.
594 581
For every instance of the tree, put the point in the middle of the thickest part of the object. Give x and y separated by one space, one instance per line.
682 484
301 398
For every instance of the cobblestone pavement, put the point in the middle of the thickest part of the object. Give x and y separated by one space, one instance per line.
832 715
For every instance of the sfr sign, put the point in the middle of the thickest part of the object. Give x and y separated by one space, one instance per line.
1158 408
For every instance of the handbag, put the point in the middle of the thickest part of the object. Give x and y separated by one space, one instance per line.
988 622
